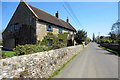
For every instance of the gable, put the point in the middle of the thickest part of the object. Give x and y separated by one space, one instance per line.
21 15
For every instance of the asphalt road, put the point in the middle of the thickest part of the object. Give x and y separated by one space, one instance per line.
92 62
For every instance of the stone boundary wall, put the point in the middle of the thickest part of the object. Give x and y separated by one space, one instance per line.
37 65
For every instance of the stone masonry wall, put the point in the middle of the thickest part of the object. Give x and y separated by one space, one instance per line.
37 65
25 34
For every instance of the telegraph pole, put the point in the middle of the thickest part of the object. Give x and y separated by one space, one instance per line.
93 37
118 11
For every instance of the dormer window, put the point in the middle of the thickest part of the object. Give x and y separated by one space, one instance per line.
49 27
60 30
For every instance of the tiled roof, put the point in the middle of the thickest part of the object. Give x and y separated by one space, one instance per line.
51 19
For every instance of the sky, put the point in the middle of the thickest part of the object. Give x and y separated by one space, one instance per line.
93 17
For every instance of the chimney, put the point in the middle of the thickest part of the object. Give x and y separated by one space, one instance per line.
67 20
57 14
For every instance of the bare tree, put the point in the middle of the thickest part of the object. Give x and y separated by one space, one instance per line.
115 31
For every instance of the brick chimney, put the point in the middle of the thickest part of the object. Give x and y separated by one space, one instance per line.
57 14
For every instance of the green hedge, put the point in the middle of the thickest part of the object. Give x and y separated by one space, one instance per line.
58 45
105 41
56 40
43 45
29 48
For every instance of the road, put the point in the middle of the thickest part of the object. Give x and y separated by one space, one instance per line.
92 62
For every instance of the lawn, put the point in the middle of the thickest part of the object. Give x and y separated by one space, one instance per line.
7 54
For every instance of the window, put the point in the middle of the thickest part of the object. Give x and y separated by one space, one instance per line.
50 42
60 40
16 26
68 32
49 27
11 28
60 30
73 32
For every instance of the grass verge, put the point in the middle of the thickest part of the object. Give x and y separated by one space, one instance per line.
5 54
112 51
58 70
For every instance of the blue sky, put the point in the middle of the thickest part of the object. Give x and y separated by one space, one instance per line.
94 17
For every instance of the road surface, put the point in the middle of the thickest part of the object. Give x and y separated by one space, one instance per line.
92 62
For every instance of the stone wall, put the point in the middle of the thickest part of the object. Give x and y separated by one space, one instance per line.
41 30
37 65
27 26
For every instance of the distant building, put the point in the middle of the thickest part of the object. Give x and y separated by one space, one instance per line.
29 24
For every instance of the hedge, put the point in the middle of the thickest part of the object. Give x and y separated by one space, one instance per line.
29 48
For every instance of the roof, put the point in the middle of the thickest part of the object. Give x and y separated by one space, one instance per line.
41 15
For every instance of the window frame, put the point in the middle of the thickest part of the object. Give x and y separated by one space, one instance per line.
60 40
11 27
69 31
60 30
49 27
16 26
48 42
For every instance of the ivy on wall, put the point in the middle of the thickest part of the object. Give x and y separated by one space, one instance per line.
63 38
59 40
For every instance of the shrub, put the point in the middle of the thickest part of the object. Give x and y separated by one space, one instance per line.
48 36
29 48
102 41
58 45
63 37
59 40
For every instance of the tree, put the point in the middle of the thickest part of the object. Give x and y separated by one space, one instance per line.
116 28
115 32
80 36
101 37
112 36
87 40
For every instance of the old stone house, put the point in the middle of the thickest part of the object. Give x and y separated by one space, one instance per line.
29 24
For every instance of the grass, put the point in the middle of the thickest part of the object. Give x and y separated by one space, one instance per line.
7 54
0 44
58 70
112 51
